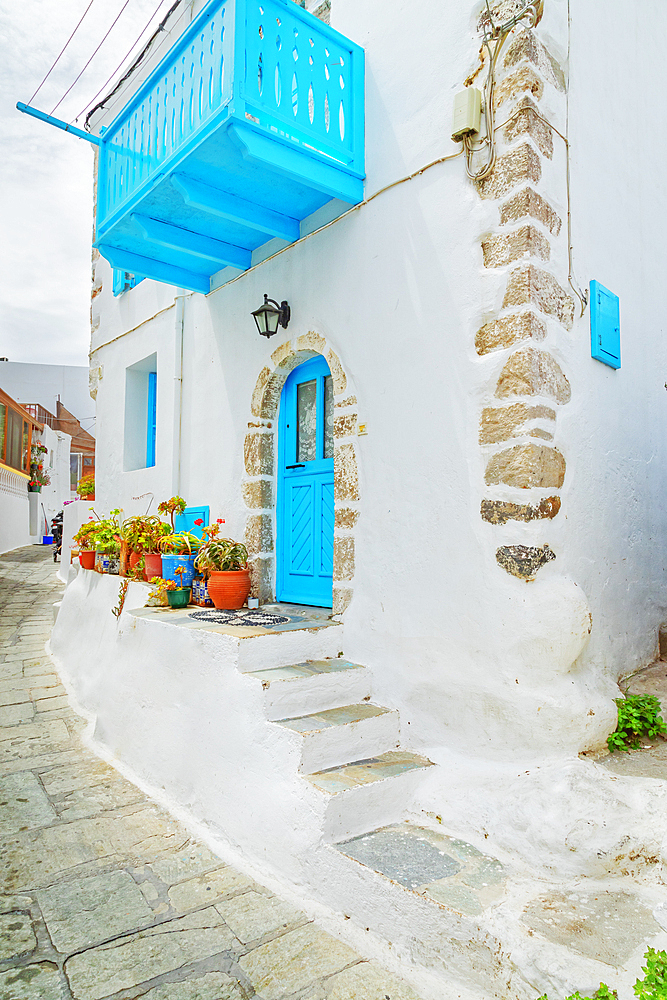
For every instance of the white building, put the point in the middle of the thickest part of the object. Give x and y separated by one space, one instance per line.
48 384
487 503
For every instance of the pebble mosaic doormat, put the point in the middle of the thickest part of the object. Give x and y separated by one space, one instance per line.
244 617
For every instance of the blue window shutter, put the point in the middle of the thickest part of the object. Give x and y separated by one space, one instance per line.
124 280
152 419
186 520
605 326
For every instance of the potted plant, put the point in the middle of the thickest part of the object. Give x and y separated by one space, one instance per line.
178 550
175 505
38 478
224 563
142 534
178 595
86 487
106 537
85 539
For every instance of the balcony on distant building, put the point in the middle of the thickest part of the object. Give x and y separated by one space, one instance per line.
251 122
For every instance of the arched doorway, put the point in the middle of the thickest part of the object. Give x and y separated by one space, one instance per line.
305 486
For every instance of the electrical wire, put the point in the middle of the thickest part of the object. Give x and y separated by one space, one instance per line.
137 62
92 57
126 56
61 52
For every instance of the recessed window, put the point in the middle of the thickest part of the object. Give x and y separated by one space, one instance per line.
141 414
124 280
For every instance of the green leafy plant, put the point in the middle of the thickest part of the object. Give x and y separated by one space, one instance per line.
175 505
181 543
84 537
158 595
652 987
654 984
219 554
638 715
143 532
86 486
106 534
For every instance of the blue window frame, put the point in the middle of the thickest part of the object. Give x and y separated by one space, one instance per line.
124 280
151 423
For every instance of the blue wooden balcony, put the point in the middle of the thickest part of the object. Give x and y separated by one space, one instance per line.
252 121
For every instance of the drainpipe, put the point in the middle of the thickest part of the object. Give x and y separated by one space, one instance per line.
178 390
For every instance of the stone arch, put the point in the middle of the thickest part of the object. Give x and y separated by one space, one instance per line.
260 454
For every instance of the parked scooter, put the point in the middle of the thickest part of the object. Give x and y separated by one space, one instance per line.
57 532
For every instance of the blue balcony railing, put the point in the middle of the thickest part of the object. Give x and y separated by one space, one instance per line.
252 121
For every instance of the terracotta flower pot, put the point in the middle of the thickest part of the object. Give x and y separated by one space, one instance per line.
153 562
134 559
125 553
87 559
229 589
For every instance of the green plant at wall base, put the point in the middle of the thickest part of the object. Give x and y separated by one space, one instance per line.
654 984
652 987
182 543
638 716
219 554
175 505
158 595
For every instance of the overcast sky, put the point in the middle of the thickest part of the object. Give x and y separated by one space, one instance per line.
46 206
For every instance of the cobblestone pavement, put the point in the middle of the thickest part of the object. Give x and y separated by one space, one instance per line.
103 894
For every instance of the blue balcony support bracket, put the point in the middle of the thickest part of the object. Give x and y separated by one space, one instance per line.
233 209
192 244
50 120
250 123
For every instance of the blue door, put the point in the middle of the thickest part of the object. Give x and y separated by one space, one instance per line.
305 515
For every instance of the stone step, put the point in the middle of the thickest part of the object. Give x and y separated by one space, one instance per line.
341 735
438 867
306 641
311 686
370 793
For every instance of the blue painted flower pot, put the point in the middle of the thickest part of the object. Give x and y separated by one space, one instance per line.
169 564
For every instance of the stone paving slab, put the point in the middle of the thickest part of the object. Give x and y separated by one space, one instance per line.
105 896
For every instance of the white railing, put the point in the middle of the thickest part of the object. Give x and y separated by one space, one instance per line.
13 483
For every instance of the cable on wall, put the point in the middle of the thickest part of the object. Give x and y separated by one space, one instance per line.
56 60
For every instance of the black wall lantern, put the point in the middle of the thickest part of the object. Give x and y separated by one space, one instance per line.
271 315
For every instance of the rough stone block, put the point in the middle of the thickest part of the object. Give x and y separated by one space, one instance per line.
523 561
32 982
529 203
348 401
346 476
311 341
281 352
252 915
204 889
527 48
261 578
526 466
337 374
342 597
526 121
258 495
501 423
512 168
529 372
259 534
509 330
523 80
345 426
345 517
531 285
502 511
258 391
16 935
258 453
500 249
343 561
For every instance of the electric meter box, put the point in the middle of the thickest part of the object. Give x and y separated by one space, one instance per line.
467 113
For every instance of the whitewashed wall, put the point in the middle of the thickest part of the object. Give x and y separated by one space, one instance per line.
482 665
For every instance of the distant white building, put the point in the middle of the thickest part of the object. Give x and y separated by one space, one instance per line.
453 446
48 384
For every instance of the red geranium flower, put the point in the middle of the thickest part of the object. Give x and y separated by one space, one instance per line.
199 521
221 520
